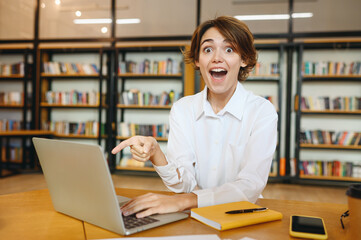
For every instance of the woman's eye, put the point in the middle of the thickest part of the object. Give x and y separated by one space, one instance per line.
229 50
207 50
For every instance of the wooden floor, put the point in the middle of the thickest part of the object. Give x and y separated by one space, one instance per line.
35 181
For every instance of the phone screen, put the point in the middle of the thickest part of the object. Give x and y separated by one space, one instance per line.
307 225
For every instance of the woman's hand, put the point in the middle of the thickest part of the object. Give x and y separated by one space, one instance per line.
152 203
143 149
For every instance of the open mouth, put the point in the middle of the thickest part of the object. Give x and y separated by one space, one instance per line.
218 73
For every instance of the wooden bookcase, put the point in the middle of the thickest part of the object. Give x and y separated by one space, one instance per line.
14 82
74 84
16 100
151 81
321 158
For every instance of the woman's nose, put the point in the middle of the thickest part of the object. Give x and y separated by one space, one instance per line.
217 57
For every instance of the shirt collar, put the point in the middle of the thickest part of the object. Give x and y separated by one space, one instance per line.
235 105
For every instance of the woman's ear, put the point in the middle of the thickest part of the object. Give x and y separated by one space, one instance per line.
196 63
243 64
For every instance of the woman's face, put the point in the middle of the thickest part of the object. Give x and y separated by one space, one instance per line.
219 64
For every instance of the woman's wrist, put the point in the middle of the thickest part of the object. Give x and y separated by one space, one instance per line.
187 201
158 158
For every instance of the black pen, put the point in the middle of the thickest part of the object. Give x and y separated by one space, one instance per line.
250 210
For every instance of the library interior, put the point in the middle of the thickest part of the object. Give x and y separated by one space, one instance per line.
98 72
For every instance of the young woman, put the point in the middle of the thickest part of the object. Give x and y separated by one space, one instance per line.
222 140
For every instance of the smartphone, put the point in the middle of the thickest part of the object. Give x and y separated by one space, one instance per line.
307 227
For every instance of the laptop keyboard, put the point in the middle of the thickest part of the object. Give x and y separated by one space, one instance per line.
132 221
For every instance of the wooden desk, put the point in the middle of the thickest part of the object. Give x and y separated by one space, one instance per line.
30 215
330 212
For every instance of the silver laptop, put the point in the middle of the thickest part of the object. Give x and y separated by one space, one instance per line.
80 186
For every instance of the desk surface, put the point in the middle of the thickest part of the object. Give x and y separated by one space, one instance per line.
30 215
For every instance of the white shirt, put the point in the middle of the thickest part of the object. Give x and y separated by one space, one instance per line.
226 156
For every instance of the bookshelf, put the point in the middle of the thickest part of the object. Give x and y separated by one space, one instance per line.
73 84
16 84
149 79
328 111
267 80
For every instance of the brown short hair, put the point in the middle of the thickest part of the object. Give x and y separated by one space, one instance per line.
236 32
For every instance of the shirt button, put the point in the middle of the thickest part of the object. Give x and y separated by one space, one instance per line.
216 142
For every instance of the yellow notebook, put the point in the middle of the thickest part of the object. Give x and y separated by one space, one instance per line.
215 216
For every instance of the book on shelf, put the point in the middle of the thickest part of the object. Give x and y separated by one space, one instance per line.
13 97
15 153
72 97
12 69
333 168
282 166
135 97
321 103
70 68
274 167
88 128
12 125
293 164
215 216
343 138
131 129
331 68
168 66
264 69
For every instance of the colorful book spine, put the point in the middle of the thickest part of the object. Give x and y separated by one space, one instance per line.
334 168
12 98
70 68
135 97
343 138
12 125
12 69
331 68
168 66
131 129
15 153
351 103
73 97
261 69
88 128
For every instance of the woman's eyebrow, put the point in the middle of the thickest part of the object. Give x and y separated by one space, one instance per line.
211 40
207 40
227 41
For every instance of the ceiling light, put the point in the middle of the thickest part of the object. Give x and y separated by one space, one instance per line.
78 13
273 16
302 15
93 21
106 20
57 2
42 5
128 21
104 29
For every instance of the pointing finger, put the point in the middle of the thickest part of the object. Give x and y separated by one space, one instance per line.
124 144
